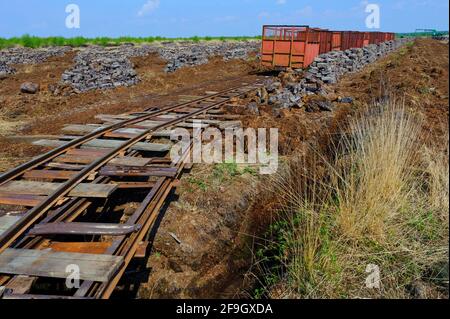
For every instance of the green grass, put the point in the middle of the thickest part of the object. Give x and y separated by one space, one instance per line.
421 34
198 183
39 42
226 170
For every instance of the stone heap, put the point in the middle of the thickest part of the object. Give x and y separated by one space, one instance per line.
184 54
31 56
329 67
104 68
326 69
5 70
240 50
107 68
178 56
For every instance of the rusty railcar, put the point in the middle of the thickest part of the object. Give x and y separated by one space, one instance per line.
296 46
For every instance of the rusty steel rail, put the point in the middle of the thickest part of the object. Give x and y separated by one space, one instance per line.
131 234
9 236
7 176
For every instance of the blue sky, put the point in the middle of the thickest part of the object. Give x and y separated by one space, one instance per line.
174 18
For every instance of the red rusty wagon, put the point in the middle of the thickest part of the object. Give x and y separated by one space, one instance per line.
284 46
291 46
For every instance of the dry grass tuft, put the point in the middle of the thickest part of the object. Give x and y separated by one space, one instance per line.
374 172
378 199
437 168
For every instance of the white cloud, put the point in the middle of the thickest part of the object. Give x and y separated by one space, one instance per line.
149 7
281 2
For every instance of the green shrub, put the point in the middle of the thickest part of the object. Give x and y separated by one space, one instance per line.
38 42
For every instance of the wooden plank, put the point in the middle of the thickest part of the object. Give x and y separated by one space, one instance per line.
135 185
160 160
116 134
49 143
20 199
122 117
165 117
75 159
160 133
81 129
190 97
99 143
87 152
138 113
86 129
51 264
49 175
191 125
130 161
16 213
186 110
45 188
97 248
27 138
230 124
142 146
215 122
7 221
68 137
147 124
100 229
72 167
217 112
129 171
21 284
109 117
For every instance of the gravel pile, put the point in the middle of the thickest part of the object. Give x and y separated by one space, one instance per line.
107 68
5 69
329 67
180 55
326 69
31 56
104 68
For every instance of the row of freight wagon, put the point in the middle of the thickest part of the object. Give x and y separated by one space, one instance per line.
298 46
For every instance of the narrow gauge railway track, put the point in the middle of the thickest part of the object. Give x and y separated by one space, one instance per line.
68 195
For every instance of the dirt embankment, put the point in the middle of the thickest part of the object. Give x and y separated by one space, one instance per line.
417 76
204 244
